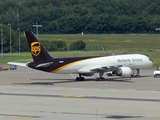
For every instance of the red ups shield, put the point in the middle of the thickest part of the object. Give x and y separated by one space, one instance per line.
35 48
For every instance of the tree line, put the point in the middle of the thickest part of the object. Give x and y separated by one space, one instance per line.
57 45
76 16
89 16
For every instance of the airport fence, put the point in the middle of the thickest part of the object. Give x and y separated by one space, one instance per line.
87 48
96 48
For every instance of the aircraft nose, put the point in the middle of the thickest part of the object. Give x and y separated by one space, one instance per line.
151 63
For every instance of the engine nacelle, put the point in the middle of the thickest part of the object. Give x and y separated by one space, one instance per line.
123 72
87 74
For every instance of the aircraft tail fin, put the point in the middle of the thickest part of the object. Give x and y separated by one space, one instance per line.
37 50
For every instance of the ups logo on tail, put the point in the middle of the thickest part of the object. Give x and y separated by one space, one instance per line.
35 48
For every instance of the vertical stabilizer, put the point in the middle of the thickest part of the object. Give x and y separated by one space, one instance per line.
37 50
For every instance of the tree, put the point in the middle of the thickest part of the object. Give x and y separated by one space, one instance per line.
24 45
78 45
6 39
75 16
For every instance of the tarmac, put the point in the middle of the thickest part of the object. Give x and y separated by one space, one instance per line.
34 95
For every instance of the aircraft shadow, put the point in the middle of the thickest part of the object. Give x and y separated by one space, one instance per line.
119 80
42 83
122 117
59 81
89 79
54 79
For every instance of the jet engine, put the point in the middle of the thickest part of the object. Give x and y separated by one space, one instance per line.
87 74
123 72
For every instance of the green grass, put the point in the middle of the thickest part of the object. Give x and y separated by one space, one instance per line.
101 37
148 44
113 41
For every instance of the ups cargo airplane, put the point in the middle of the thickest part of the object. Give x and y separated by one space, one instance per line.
120 65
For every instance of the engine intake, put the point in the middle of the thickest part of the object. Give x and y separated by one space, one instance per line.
123 72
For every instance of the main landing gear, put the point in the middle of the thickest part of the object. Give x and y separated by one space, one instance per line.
137 75
80 78
101 78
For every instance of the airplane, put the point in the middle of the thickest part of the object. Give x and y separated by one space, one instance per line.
119 65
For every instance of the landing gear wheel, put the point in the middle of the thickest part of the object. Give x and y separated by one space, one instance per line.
77 78
100 76
137 75
132 75
97 79
80 78
100 79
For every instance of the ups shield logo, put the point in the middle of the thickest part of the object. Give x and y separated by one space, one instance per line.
35 48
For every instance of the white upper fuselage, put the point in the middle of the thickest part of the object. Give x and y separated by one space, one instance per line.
133 61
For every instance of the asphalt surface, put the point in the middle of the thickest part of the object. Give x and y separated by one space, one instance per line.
36 95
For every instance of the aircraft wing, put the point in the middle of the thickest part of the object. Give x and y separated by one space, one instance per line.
18 64
97 68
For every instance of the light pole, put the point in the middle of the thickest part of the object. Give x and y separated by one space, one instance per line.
10 41
37 28
19 42
1 44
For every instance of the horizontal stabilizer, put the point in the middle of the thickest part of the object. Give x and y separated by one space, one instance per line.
18 64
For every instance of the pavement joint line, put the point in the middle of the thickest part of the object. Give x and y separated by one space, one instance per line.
84 97
19 116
